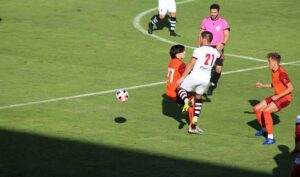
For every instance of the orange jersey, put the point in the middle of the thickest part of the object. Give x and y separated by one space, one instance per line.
280 80
176 68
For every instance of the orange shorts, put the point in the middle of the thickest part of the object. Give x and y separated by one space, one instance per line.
280 103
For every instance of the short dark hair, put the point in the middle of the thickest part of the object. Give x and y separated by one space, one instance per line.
274 56
175 49
207 35
215 6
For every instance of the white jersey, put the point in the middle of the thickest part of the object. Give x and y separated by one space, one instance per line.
200 75
165 6
206 57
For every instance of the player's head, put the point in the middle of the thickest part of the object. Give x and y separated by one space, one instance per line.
274 59
214 11
177 51
206 38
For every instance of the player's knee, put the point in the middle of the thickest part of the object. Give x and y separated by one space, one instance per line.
162 17
257 107
173 14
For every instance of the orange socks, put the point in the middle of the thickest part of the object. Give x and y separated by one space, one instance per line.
258 115
191 113
268 121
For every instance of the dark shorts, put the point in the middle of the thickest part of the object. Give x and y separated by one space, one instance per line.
280 103
220 61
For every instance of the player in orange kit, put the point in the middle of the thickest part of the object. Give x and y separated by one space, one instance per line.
283 88
296 167
175 69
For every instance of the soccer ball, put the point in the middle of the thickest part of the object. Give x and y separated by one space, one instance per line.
122 95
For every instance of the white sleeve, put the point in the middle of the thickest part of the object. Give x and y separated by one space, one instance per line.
195 53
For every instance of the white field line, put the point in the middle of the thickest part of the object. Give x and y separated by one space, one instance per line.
128 88
137 25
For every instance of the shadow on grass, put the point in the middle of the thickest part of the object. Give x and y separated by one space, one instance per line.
283 161
30 155
253 123
172 109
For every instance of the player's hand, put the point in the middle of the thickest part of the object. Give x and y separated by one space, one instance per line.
275 97
220 47
259 85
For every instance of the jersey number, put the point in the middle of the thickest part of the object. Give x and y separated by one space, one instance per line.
171 72
209 59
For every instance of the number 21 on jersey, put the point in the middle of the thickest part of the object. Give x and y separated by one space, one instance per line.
171 72
209 59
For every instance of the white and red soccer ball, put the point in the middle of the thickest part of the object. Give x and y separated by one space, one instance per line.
122 95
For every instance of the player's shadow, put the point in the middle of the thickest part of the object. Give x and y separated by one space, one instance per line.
253 123
162 24
283 161
172 109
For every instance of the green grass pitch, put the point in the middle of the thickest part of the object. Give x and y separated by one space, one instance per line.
54 49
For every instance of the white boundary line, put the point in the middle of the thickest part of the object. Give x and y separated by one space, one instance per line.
128 88
137 25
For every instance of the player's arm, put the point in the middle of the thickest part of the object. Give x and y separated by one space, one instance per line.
226 35
260 85
187 70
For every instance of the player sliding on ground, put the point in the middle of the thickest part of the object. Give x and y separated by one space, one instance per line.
197 74
283 88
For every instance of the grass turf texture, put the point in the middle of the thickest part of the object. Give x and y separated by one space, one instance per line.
57 48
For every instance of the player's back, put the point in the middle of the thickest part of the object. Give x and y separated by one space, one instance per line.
206 57
175 69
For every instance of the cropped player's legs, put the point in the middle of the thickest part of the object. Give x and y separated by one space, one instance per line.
182 93
162 11
197 110
297 136
272 107
216 74
297 130
258 109
173 25
191 108
155 20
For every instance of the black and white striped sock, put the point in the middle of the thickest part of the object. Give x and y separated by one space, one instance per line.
183 95
155 20
198 107
172 23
